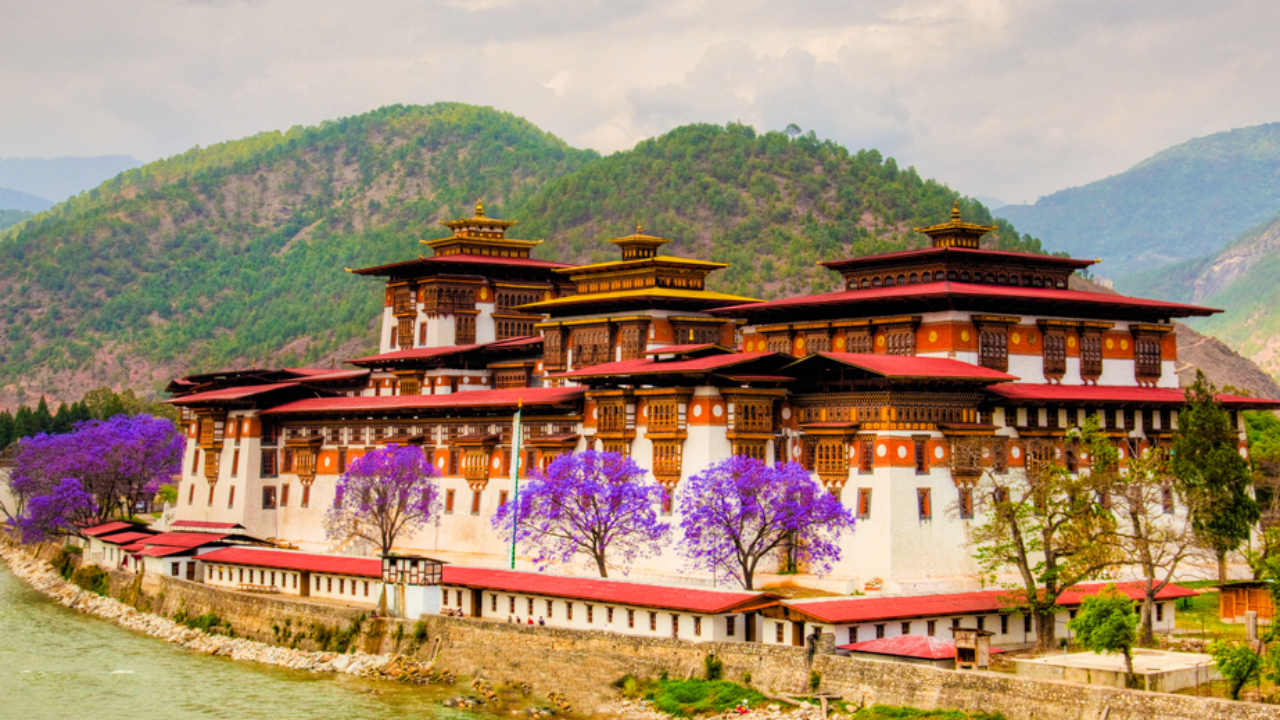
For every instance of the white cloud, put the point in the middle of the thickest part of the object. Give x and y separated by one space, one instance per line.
994 97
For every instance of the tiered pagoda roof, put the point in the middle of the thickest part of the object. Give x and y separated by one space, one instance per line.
641 279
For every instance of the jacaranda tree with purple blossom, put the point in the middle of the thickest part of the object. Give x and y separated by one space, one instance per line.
594 504
119 462
383 494
56 513
739 511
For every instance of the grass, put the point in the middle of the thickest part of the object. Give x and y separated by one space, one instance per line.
1199 616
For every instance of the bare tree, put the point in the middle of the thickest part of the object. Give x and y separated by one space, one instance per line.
1043 521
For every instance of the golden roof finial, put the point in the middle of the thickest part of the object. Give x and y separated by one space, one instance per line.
637 228
479 209
955 209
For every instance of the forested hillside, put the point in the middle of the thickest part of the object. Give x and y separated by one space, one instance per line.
235 254
9 218
1185 202
769 204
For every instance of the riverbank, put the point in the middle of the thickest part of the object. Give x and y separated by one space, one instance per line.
41 577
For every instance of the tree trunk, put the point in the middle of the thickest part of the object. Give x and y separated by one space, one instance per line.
1128 668
1046 631
1222 567
604 571
1148 631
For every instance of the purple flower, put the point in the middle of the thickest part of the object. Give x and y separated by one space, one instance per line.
56 513
591 503
384 493
739 511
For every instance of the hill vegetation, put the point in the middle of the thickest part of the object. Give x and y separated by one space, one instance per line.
1185 202
235 253
9 218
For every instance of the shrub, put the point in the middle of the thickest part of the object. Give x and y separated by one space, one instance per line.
420 631
66 560
715 667
686 698
815 681
92 578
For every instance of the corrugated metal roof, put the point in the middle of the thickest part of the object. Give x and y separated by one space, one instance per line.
185 539
911 367
874 609
288 560
125 538
230 393
910 646
646 366
107 528
1111 393
205 524
466 399
599 590
166 551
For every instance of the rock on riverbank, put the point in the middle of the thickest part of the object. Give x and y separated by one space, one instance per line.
49 583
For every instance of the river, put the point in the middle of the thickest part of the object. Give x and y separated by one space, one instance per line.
56 663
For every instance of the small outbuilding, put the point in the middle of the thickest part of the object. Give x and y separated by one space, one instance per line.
1238 598
911 649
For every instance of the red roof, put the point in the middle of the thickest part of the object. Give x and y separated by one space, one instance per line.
1112 393
230 393
599 590
327 374
971 603
909 646
465 399
166 551
646 366
677 349
205 524
185 539
460 258
912 367
125 538
426 353
966 253
133 547
288 560
106 528
962 290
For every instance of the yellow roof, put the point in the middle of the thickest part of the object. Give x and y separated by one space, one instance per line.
616 264
643 293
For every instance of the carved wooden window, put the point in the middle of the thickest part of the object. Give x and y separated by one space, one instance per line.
403 302
779 343
613 417
553 350
1090 356
1146 357
924 503
867 457
750 448
808 448
591 347
1055 355
859 341
464 330
900 341
922 457
664 415
965 503
699 334
304 462
993 347
513 378
830 459
268 463
864 503
753 416
819 341
410 386
1000 455
667 459
633 339
622 447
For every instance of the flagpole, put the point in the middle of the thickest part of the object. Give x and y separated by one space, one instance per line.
515 478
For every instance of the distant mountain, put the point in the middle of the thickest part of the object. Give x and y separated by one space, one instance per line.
15 200
235 253
9 218
992 204
1185 202
60 178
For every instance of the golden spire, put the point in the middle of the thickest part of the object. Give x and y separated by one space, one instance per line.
955 210
479 209
638 227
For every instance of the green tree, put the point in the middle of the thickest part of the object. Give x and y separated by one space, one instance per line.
1106 623
1044 523
1211 474
1237 663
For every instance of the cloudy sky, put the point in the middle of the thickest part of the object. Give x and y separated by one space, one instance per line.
994 97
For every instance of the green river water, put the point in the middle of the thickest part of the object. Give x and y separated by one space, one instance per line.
57 663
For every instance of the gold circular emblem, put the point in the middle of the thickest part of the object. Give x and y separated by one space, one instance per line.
840 343
933 336
1110 343
800 344
880 341
484 293
1071 342
964 336
1124 344
1016 338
